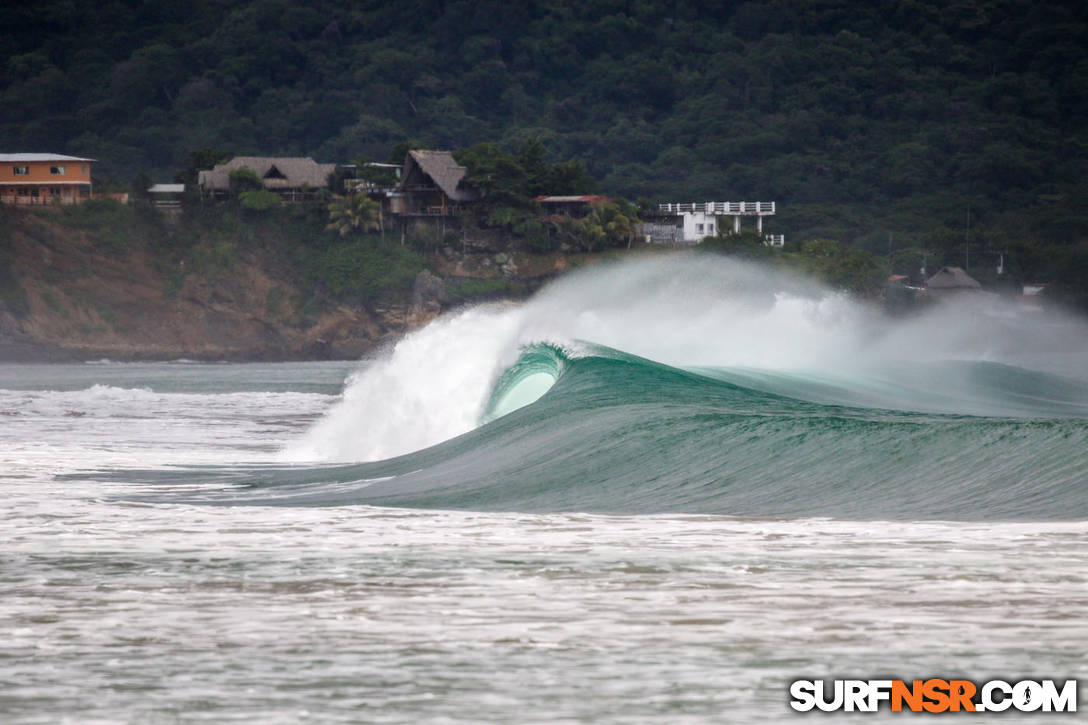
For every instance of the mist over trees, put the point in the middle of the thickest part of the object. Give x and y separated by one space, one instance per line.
911 123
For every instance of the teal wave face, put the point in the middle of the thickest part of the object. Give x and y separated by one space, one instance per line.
703 386
524 382
619 434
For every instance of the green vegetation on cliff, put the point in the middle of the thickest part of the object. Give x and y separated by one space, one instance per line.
824 104
892 124
295 241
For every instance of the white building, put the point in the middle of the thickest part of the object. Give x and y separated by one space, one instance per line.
691 223
698 224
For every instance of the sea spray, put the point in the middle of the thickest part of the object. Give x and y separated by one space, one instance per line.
696 310
431 387
436 382
728 320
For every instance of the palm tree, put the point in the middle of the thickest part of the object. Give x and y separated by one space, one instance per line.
354 213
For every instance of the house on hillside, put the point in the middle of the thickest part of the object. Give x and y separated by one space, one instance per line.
166 196
691 223
952 280
572 206
36 179
371 177
432 184
293 178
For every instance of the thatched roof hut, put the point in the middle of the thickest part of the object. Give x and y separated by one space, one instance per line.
952 278
276 173
435 168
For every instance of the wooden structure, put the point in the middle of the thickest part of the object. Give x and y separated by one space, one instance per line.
572 206
431 185
293 178
166 196
362 180
40 179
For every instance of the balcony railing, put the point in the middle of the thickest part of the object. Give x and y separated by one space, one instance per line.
42 200
724 208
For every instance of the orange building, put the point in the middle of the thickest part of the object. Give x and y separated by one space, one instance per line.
32 179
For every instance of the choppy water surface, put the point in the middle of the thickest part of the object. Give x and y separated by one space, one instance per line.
592 508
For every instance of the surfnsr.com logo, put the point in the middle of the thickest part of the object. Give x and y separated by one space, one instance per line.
933 695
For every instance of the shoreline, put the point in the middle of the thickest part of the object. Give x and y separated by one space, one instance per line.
32 353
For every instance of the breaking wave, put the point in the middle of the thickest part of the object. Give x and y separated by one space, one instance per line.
704 385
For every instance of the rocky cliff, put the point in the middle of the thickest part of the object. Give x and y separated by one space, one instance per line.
64 297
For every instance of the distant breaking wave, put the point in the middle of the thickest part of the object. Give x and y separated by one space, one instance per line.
701 385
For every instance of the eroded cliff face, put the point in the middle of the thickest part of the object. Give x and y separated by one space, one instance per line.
65 300
66 297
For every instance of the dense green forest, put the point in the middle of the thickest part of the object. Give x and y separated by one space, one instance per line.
887 125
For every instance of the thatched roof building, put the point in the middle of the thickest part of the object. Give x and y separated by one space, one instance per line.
432 183
952 278
435 168
277 173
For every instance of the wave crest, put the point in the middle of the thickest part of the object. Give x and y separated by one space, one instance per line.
731 320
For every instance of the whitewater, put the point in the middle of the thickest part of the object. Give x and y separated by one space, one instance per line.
659 490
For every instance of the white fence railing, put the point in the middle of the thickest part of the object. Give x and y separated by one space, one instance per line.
727 208
774 240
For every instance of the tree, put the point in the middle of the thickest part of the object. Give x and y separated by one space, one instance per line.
505 217
909 261
401 149
842 266
195 161
610 223
857 116
537 235
497 175
378 176
259 200
140 184
354 213
568 177
531 157
244 179
568 231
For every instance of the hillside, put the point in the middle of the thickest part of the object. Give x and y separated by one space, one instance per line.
885 124
103 280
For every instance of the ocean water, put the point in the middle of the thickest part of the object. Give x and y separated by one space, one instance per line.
657 492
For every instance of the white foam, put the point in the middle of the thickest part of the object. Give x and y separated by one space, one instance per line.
431 387
685 311
108 401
